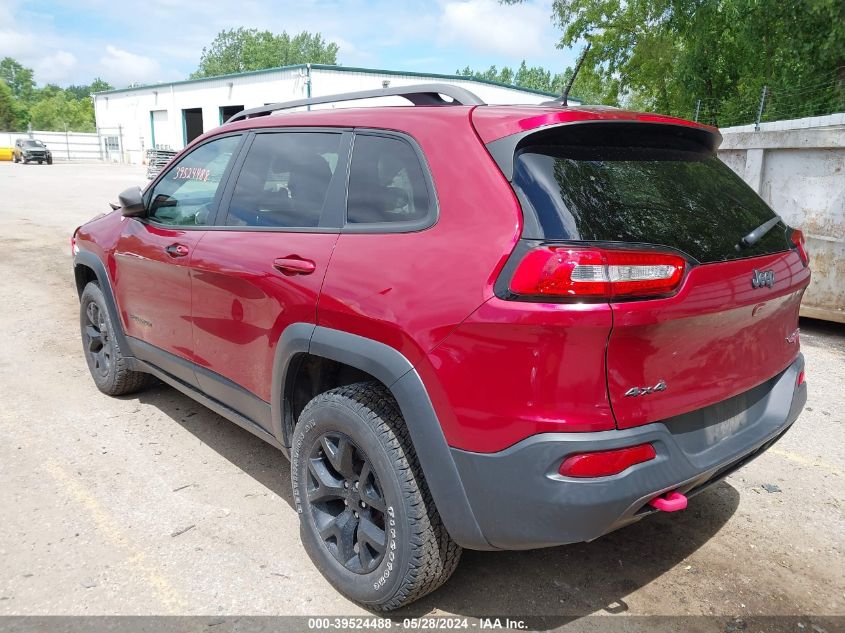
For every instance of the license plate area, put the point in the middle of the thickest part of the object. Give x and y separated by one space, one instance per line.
701 430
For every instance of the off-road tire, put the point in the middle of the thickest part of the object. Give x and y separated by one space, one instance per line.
110 372
419 554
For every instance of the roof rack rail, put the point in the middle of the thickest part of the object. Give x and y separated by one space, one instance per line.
419 95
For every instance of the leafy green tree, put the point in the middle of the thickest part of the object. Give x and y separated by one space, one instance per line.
13 115
17 77
589 89
241 50
85 91
59 111
666 55
535 78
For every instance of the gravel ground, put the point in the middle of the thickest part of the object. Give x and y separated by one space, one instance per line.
152 504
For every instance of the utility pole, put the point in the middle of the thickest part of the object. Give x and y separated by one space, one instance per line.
697 110
760 109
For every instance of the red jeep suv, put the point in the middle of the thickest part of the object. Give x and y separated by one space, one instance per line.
491 327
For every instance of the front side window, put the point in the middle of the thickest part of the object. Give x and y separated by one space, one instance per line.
185 195
285 180
386 182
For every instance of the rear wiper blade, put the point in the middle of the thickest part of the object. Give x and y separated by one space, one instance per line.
757 234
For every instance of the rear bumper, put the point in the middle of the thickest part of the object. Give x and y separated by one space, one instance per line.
520 501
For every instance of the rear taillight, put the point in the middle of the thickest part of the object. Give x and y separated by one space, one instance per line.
798 242
605 463
565 271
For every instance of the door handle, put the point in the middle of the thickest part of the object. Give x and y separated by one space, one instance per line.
294 265
177 250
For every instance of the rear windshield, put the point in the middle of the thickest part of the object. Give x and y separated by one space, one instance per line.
687 200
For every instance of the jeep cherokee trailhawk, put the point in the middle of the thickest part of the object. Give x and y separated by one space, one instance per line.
468 326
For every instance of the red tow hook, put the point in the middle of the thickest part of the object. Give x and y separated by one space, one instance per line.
669 502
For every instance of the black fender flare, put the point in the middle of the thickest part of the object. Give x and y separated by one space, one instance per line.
90 260
391 368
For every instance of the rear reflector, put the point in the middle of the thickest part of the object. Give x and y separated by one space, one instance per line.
801 378
798 241
563 271
604 463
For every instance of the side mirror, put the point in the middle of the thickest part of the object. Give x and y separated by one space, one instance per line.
132 203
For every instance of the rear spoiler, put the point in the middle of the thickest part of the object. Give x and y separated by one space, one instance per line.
604 132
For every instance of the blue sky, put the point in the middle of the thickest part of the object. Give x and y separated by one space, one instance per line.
147 41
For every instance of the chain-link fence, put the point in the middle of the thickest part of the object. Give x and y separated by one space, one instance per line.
774 103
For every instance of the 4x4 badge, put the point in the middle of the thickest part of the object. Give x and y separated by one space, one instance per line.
762 278
644 391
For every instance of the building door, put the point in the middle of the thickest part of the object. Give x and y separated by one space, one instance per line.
191 124
160 129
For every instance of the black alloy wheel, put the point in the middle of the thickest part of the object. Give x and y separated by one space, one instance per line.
348 507
98 344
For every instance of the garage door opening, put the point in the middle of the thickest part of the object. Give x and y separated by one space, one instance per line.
191 124
229 111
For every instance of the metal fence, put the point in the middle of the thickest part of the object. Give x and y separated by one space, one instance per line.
106 144
773 103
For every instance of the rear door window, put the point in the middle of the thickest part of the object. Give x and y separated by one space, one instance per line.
284 181
682 198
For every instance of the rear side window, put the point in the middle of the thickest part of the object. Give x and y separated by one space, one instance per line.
681 198
387 184
285 180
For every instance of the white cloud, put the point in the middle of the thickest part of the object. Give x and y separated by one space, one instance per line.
518 31
121 67
56 67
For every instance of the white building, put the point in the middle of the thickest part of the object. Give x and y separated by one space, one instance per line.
132 120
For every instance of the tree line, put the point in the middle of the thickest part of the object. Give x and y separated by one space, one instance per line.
22 104
709 59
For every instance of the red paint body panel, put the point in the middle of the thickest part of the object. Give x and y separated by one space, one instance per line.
410 290
153 289
496 371
242 304
514 369
716 338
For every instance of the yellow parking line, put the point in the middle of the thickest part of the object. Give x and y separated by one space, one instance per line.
806 461
108 527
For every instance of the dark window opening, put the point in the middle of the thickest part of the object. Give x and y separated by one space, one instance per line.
192 121
227 112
